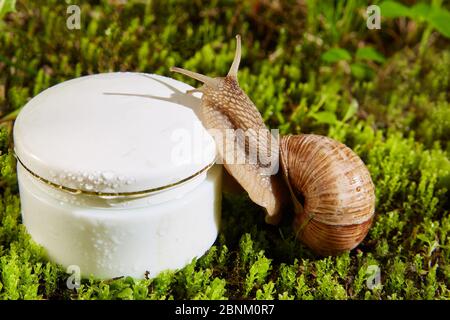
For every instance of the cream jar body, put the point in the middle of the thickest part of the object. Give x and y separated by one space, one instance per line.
103 184
125 237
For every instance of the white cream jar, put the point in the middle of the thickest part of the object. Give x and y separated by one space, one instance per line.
117 174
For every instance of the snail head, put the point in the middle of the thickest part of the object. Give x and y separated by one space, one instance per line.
218 83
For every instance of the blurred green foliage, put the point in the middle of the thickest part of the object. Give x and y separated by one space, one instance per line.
309 66
434 15
6 6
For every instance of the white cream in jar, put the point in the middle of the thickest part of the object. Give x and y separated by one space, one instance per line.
117 174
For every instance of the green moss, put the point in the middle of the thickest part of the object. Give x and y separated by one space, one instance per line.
398 121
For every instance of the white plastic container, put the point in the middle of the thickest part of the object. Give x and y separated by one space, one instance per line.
117 175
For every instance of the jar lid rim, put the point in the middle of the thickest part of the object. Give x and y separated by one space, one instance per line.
115 194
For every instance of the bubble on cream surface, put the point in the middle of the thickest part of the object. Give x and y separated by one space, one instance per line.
106 181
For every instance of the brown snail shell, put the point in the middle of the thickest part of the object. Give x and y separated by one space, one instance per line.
338 193
335 184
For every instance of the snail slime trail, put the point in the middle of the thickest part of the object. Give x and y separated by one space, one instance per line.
338 192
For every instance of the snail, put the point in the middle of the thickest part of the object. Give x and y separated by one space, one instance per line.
326 183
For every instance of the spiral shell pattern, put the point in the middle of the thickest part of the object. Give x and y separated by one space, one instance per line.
334 187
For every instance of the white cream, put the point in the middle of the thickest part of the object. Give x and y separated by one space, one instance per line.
112 134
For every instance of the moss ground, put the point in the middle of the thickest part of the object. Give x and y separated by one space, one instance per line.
392 108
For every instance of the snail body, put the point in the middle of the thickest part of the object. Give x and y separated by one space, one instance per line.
225 106
337 191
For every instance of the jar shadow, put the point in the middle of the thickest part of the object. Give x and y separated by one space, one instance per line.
177 96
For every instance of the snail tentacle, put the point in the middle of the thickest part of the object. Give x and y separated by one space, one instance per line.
237 59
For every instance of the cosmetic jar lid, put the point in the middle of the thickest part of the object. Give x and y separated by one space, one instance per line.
114 133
